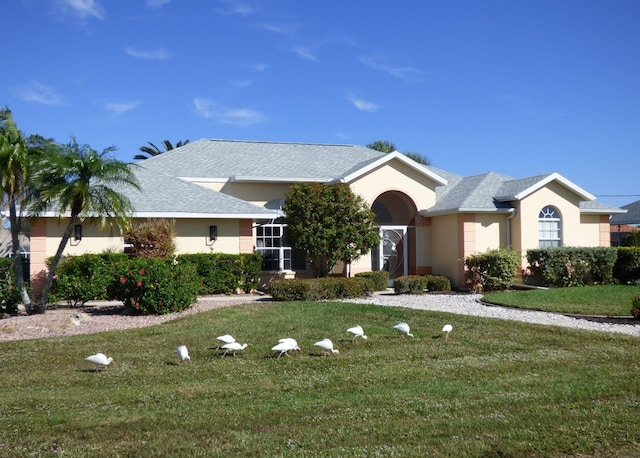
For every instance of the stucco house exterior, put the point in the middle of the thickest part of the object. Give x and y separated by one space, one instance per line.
226 196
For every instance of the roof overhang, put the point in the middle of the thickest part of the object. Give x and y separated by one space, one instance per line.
455 211
185 215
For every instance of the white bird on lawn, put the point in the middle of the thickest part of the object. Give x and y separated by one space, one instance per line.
285 346
227 339
183 354
233 347
447 329
100 360
357 331
403 328
327 347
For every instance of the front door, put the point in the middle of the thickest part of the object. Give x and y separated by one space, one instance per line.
391 255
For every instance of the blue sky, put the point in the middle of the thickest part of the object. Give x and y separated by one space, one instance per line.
516 87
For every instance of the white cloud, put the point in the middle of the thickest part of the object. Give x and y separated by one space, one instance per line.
388 64
305 53
157 3
363 105
280 29
82 8
154 54
233 116
121 107
37 92
233 7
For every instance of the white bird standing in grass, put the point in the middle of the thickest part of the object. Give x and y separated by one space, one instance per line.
183 354
447 329
100 360
403 328
285 346
227 339
233 347
357 331
327 347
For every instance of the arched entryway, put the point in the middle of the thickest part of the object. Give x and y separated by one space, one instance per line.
396 214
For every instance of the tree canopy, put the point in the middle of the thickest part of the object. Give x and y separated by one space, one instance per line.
329 223
77 182
385 146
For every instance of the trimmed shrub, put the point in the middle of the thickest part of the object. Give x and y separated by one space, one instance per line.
155 286
493 270
221 273
438 283
9 294
84 278
410 284
379 279
320 289
571 266
627 267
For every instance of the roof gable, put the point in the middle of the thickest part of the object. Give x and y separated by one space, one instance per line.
519 189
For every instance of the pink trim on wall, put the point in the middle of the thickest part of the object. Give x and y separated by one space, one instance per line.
605 228
466 243
38 255
245 231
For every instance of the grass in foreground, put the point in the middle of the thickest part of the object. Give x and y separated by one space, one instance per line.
606 300
496 388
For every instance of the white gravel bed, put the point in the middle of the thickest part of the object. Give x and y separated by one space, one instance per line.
468 304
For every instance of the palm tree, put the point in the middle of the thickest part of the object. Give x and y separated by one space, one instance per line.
153 150
385 146
13 174
79 183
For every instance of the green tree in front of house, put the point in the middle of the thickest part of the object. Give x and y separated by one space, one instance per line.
80 184
330 224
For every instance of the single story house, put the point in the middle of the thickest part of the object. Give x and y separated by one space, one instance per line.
226 196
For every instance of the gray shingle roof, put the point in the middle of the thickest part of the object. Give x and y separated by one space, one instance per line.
161 194
223 159
632 216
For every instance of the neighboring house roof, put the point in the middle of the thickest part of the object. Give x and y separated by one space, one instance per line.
164 196
632 215
250 161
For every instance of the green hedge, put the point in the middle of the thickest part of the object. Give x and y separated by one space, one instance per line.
154 286
379 278
438 283
220 273
320 289
84 278
410 284
627 268
571 266
493 270
9 294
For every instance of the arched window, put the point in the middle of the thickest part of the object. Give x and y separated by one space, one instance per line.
549 227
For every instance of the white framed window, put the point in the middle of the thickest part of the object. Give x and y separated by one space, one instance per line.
549 227
277 253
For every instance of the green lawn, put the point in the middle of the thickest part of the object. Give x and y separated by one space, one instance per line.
496 388
607 300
